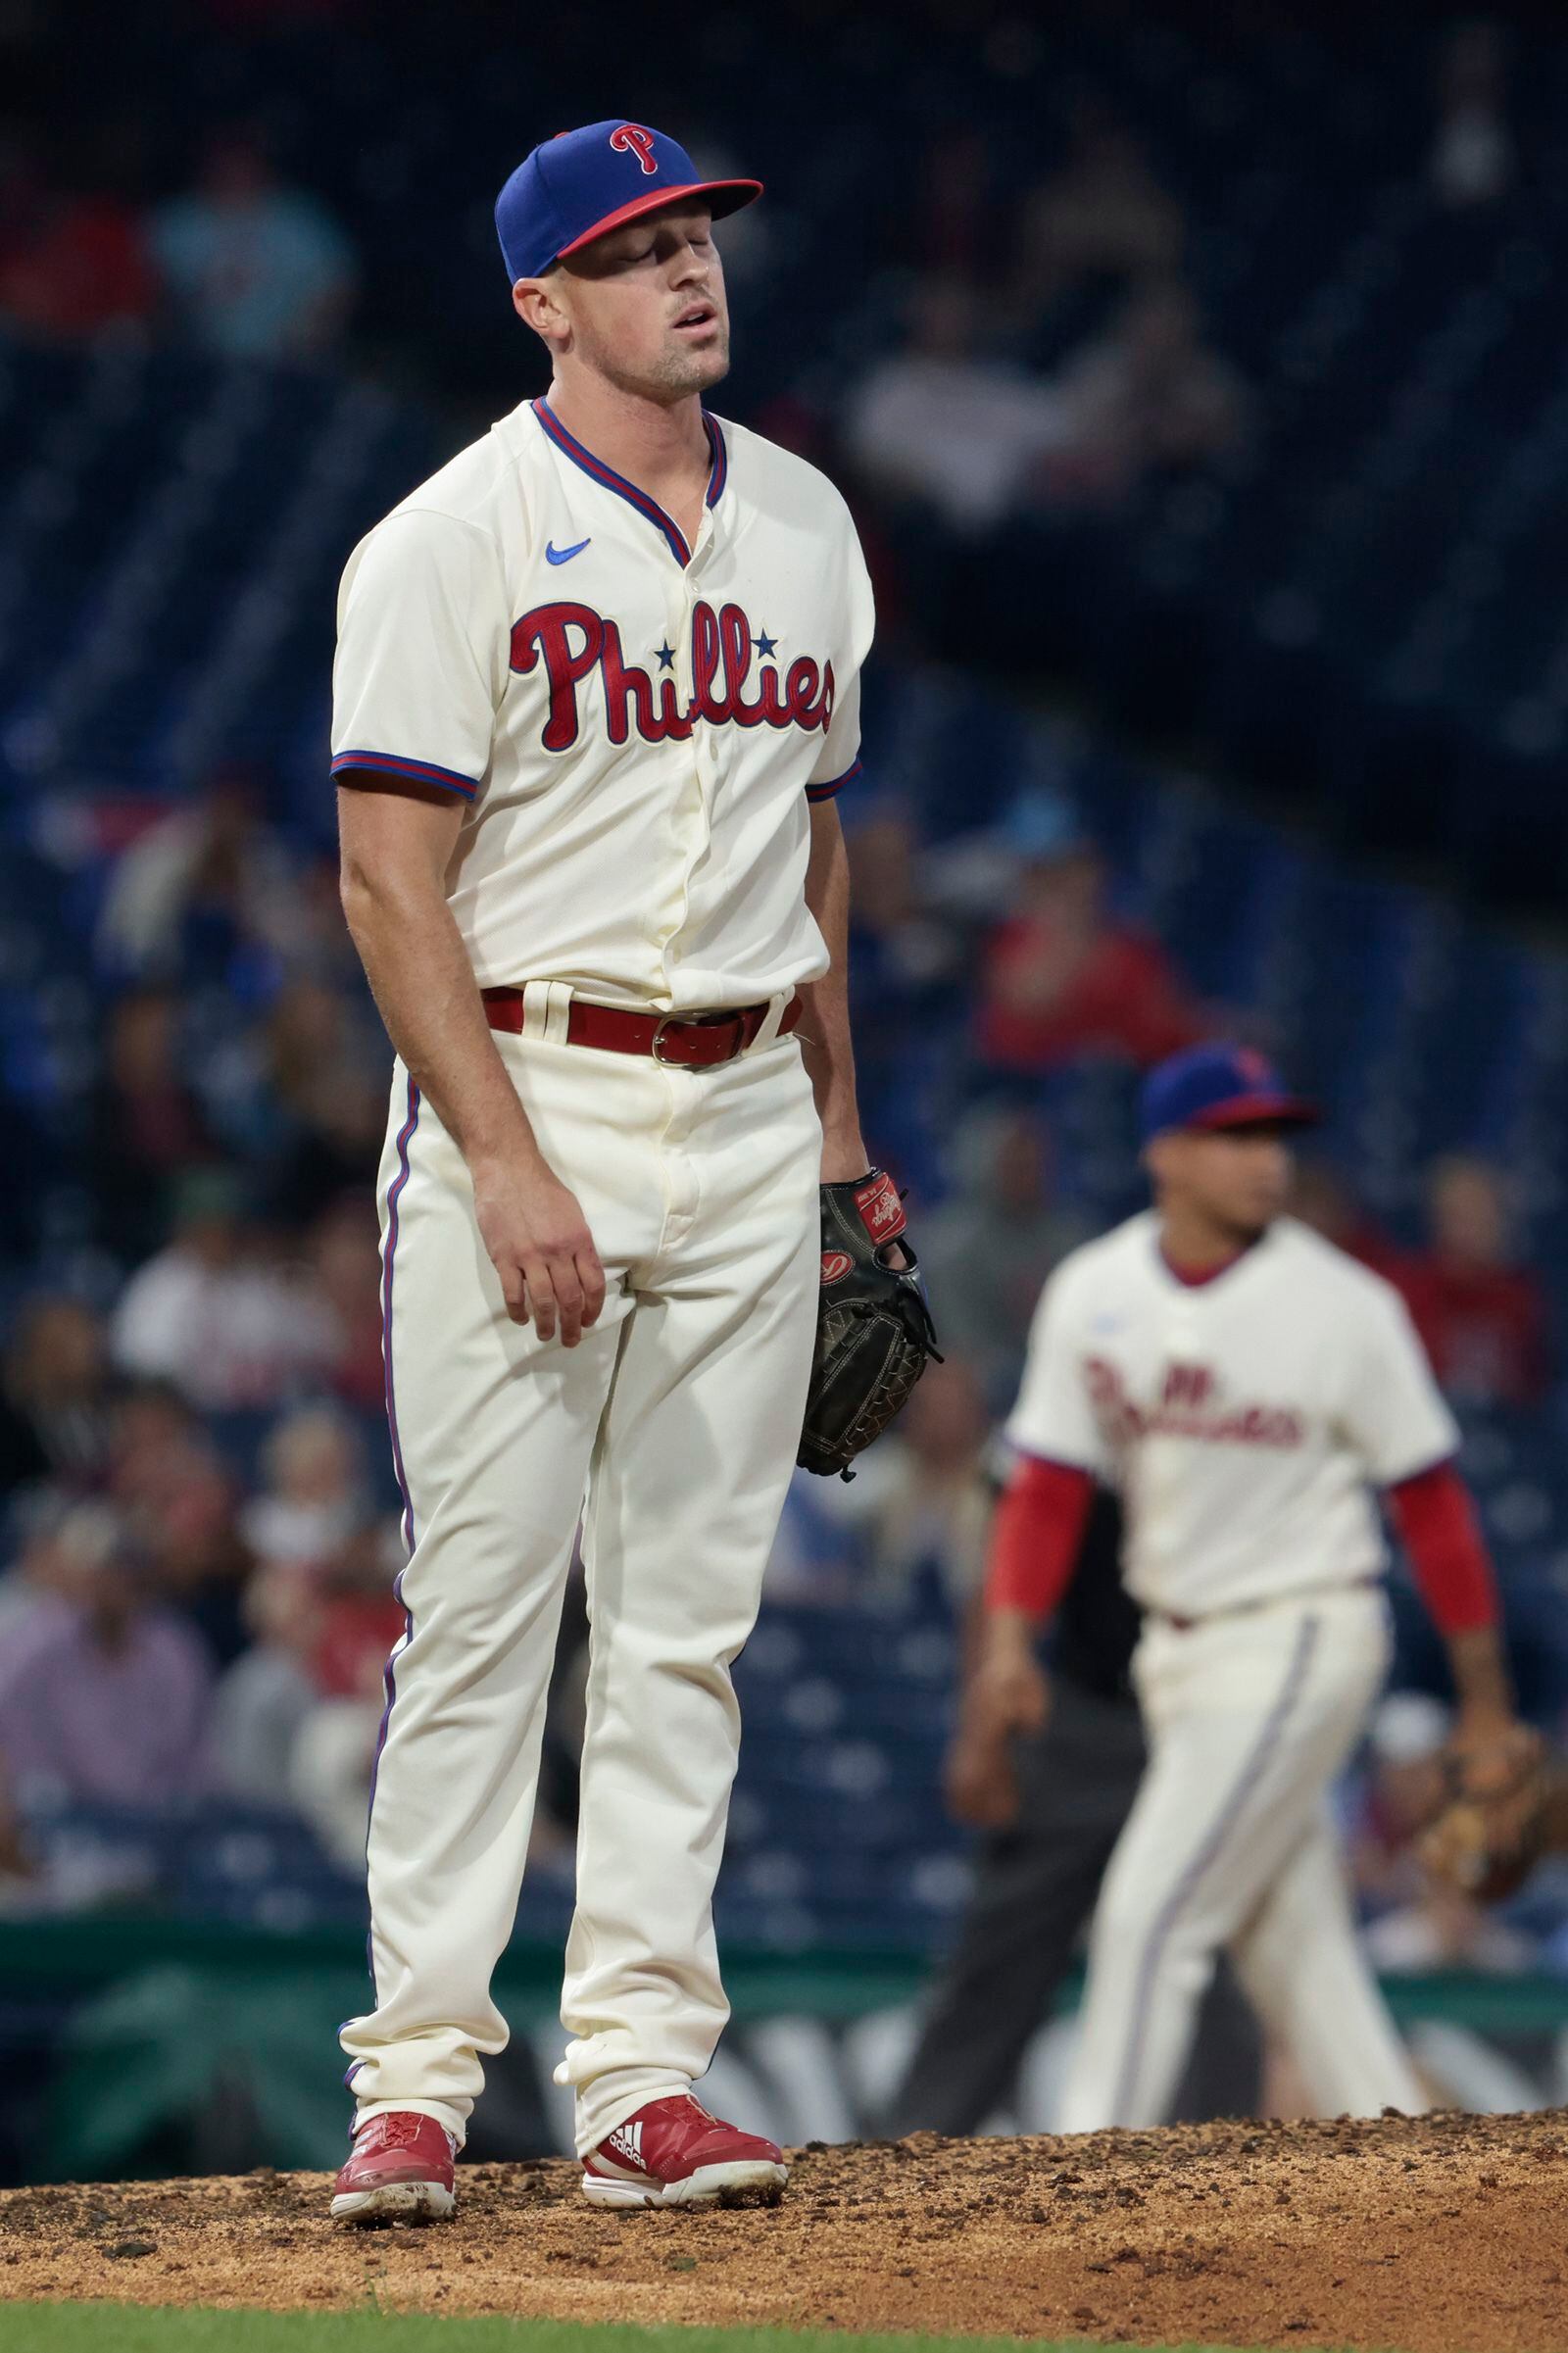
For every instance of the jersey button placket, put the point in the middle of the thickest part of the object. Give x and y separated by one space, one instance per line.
687 757
1165 1474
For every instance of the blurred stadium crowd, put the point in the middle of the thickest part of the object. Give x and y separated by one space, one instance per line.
1203 390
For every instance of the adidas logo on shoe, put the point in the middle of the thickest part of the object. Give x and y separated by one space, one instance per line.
673 2153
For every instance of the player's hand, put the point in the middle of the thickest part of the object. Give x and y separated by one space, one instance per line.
1009 1696
540 1246
979 1782
1009 1693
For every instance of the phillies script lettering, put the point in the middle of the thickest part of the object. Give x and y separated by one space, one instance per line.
572 640
1189 1405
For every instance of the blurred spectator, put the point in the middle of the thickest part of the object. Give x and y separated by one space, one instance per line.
155 1441
200 885
320 1116
345 1265
359 1625
1102 214
72 263
942 420
1473 160
313 1496
362 1617
1148 397
40 1568
1062 977
330 1767
1482 1316
254 269
909 993
179 1501
54 1401
930 1502
216 1312
909 1529
103 1692
901 951
818 1560
265 1698
988 1250
145 1128
1322 1198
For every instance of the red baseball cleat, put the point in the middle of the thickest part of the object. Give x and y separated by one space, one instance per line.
673 2153
402 2165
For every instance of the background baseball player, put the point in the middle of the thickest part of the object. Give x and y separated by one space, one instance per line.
1050 1805
1244 1386
597 685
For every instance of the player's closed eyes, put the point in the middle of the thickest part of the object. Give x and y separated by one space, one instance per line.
657 249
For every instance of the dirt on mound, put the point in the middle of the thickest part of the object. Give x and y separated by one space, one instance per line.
1444 2235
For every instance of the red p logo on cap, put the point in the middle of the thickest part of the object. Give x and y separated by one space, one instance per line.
632 139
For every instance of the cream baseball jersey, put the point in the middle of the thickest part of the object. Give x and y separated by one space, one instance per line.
1244 1419
636 724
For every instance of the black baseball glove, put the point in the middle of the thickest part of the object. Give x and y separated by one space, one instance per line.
874 1333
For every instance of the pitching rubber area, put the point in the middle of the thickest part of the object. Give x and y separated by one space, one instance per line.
1443 2235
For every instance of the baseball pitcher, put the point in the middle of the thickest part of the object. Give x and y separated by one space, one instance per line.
597 685
1245 1387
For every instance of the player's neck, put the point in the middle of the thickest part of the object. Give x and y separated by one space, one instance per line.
1195 1247
662 448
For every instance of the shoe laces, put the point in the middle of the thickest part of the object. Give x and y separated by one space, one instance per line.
400 2128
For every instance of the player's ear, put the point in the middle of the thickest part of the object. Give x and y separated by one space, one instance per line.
535 302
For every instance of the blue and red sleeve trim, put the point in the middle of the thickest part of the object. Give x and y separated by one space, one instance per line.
826 791
417 772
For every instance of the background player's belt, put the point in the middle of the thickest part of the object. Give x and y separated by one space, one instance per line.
1244 1609
686 1041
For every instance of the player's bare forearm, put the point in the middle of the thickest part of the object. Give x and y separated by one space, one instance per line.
395 847
394 854
824 1030
1482 1682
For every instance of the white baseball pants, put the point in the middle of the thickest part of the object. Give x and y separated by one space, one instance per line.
1249 1717
678 1417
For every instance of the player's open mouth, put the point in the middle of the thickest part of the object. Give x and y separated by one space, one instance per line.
699 314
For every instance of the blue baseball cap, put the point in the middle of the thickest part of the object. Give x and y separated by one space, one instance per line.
1211 1087
576 185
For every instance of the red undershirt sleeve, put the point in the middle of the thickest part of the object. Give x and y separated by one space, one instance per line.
1448 1552
1036 1535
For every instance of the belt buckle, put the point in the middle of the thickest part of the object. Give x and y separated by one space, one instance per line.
695 1022
656 1048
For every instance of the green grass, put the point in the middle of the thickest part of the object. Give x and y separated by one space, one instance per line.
160 2328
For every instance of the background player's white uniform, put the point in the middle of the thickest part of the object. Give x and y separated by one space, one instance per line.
1243 1421
638 725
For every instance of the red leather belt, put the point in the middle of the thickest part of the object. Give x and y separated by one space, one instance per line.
681 1040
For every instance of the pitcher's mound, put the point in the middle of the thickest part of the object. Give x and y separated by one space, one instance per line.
1444 2236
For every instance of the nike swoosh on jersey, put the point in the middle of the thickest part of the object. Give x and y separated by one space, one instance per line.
555 555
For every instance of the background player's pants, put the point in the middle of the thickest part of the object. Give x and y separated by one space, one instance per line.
679 1414
1035 1887
1249 1717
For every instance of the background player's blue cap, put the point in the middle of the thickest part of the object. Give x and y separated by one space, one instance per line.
582 182
1218 1087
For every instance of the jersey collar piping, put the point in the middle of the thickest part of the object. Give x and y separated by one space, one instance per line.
648 508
